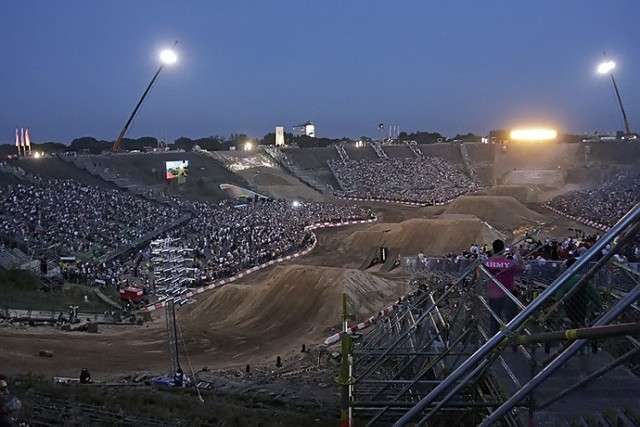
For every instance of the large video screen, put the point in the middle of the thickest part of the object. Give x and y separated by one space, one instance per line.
177 168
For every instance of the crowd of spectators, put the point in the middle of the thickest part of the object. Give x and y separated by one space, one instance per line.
82 223
227 238
423 180
69 218
604 205
536 253
531 249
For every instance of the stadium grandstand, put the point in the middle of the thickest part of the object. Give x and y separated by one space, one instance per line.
540 329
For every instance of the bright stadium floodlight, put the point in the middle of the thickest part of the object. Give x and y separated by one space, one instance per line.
167 57
295 204
533 134
607 68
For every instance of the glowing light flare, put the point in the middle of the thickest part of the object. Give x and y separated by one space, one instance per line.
168 56
533 134
248 146
606 67
295 204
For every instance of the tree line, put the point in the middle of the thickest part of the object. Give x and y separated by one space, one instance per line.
221 143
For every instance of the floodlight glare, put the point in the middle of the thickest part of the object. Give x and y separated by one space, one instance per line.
533 134
168 56
606 67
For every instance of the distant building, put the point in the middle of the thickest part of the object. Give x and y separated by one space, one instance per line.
307 129
279 136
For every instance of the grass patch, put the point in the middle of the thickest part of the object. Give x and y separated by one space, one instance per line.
15 280
169 405
22 290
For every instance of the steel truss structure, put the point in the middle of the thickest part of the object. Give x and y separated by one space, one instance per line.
432 360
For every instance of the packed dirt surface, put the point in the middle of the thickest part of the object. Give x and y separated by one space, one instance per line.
503 212
274 311
451 234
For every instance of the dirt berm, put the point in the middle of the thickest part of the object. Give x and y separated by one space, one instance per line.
295 304
451 233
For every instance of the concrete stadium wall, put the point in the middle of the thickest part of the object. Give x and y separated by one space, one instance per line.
614 152
398 151
361 153
311 158
445 150
540 177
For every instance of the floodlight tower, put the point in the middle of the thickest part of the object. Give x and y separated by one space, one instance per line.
607 67
167 57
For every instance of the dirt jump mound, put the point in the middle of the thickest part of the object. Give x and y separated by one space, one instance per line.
502 212
296 304
451 233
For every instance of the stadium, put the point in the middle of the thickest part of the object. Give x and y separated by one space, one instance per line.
341 281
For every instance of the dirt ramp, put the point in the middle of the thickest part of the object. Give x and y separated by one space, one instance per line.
451 233
522 193
502 212
297 303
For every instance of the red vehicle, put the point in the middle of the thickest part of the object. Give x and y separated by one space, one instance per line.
132 294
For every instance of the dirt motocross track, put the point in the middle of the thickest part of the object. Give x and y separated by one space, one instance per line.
274 311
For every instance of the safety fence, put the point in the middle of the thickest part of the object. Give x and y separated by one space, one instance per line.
539 273
464 348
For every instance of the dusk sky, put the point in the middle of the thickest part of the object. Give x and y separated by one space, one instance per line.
77 68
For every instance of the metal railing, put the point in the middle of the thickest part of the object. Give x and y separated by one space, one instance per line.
435 359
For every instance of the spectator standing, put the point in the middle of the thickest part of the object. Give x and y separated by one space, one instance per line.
504 270
578 305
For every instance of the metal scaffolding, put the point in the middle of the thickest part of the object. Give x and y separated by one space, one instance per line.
433 359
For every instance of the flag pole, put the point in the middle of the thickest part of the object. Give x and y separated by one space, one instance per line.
27 141
24 153
18 142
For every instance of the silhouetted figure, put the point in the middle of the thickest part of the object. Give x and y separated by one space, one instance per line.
180 379
85 376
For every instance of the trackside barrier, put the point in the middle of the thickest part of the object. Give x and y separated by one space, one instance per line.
370 321
218 283
398 202
580 219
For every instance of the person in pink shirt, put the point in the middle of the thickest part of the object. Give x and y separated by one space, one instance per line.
504 269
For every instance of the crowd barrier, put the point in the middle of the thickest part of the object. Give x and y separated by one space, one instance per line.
535 271
579 219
